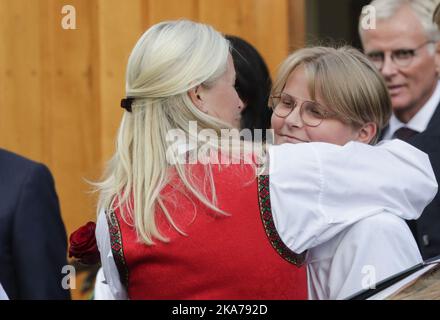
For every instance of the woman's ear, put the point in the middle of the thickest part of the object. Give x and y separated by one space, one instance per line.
367 133
195 96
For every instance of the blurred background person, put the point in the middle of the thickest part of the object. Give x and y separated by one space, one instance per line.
403 48
253 84
33 244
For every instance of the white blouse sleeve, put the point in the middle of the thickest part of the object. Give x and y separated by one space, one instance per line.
319 189
370 251
102 289
108 285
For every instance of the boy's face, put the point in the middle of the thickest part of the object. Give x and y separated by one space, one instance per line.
292 128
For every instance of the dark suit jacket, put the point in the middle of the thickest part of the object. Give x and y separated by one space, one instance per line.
32 235
426 229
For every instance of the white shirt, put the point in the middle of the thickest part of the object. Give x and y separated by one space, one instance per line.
420 120
346 208
3 295
108 285
103 290
360 256
319 190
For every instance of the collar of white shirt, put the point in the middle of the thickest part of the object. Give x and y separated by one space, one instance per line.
420 121
3 295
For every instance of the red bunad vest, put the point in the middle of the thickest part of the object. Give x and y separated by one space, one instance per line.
238 256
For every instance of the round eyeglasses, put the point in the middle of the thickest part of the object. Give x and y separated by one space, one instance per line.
400 57
312 113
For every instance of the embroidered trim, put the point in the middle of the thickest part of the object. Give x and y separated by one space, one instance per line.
117 249
269 225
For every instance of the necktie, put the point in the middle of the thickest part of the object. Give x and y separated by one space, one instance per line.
404 133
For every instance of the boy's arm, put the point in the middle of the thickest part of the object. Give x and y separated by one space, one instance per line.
319 189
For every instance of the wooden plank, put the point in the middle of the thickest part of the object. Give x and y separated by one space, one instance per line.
297 24
272 31
120 26
20 78
71 130
46 49
224 15
171 10
263 23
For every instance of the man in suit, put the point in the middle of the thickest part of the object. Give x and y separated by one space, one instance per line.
33 242
403 47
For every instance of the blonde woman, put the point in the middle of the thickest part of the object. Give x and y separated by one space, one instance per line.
184 231
337 96
173 226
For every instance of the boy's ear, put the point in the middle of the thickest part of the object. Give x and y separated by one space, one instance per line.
195 96
367 133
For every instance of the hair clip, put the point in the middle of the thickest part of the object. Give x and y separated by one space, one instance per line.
126 103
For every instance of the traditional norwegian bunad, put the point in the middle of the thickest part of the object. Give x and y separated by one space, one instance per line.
237 255
318 193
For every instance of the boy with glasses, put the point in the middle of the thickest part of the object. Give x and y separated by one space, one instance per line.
337 96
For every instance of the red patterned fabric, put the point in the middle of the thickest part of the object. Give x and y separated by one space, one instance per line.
269 225
220 257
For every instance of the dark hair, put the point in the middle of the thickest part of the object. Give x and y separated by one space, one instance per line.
253 84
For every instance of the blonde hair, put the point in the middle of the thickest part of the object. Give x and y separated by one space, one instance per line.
423 9
168 60
347 82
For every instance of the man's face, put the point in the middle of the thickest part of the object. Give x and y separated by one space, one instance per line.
410 87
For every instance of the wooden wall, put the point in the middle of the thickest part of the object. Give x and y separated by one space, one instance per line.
60 89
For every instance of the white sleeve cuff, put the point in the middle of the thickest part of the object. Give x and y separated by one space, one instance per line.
110 271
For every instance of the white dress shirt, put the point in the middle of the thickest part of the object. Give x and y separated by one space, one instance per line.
318 191
103 290
108 285
3 295
421 119
360 256
345 205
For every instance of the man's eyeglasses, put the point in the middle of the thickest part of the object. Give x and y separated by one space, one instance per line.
401 57
312 113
